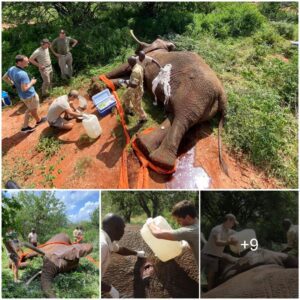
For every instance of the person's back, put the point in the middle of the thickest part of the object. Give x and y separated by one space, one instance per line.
137 76
57 107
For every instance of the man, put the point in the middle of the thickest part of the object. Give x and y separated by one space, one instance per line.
186 216
113 228
292 237
17 77
63 105
41 59
143 59
132 97
61 47
32 237
219 237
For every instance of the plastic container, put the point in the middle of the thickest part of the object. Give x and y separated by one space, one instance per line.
163 249
82 102
243 237
5 99
91 126
104 102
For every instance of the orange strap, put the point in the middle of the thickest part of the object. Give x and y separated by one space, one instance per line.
143 176
123 181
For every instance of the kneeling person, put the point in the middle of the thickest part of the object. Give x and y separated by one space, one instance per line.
63 105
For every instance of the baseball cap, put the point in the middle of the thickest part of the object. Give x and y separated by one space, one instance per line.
45 41
62 31
232 217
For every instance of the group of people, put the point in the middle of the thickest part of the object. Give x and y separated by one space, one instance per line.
223 235
18 78
113 228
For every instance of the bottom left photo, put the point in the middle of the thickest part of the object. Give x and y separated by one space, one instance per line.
50 244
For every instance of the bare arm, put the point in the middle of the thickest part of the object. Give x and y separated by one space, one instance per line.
34 62
73 113
54 52
26 86
161 234
220 242
74 43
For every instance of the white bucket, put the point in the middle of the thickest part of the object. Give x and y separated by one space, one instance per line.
163 249
91 126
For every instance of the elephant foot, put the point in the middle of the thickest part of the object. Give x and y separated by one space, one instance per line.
148 143
163 159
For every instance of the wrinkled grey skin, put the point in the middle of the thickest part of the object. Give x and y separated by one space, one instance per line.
196 96
258 274
60 259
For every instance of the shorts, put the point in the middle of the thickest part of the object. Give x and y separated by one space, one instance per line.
209 263
32 103
58 123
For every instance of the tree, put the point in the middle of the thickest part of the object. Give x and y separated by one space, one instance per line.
42 211
95 217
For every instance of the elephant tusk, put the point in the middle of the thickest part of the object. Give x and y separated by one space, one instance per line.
138 41
33 277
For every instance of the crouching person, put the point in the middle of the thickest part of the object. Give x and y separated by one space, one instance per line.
62 110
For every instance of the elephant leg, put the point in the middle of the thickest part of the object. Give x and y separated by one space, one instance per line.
151 141
49 271
165 155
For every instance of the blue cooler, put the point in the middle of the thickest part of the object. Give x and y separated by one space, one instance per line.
5 99
104 102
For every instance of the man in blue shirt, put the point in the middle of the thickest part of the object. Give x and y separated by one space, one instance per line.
18 78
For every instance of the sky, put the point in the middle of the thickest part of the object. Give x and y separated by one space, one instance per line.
79 204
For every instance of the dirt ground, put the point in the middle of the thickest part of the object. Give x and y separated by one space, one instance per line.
81 163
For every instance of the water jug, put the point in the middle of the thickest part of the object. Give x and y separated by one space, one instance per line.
82 102
243 237
91 126
163 249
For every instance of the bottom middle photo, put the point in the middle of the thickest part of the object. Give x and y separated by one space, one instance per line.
149 244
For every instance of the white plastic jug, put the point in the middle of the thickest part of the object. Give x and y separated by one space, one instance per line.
243 237
163 249
91 126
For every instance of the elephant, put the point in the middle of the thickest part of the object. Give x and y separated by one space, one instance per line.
59 256
258 274
149 277
197 95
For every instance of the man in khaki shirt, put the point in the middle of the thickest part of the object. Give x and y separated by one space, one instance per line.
292 237
219 237
61 48
41 58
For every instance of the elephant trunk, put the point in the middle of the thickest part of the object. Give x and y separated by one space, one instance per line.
30 246
144 45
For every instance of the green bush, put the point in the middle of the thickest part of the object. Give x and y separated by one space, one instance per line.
287 30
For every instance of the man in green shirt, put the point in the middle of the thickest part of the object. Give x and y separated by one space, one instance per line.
61 47
186 215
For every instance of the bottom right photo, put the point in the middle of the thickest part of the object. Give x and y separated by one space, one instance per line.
249 244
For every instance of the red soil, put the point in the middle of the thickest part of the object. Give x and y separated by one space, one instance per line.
103 155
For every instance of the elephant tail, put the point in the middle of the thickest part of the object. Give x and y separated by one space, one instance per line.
222 107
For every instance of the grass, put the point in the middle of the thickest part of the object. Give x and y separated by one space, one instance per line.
49 146
82 165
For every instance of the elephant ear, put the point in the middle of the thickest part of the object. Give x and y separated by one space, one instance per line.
78 250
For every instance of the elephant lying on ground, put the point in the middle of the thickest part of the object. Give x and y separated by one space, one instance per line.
60 256
259 274
150 278
197 95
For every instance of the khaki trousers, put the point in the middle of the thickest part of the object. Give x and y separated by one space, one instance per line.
47 75
65 63
132 98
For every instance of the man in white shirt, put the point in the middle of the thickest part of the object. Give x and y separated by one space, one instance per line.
63 105
32 237
219 237
41 59
113 228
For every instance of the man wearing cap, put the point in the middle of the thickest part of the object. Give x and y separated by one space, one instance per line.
113 228
219 237
63 105
292 237
132 97
61 47
18 78
32 237
41 58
